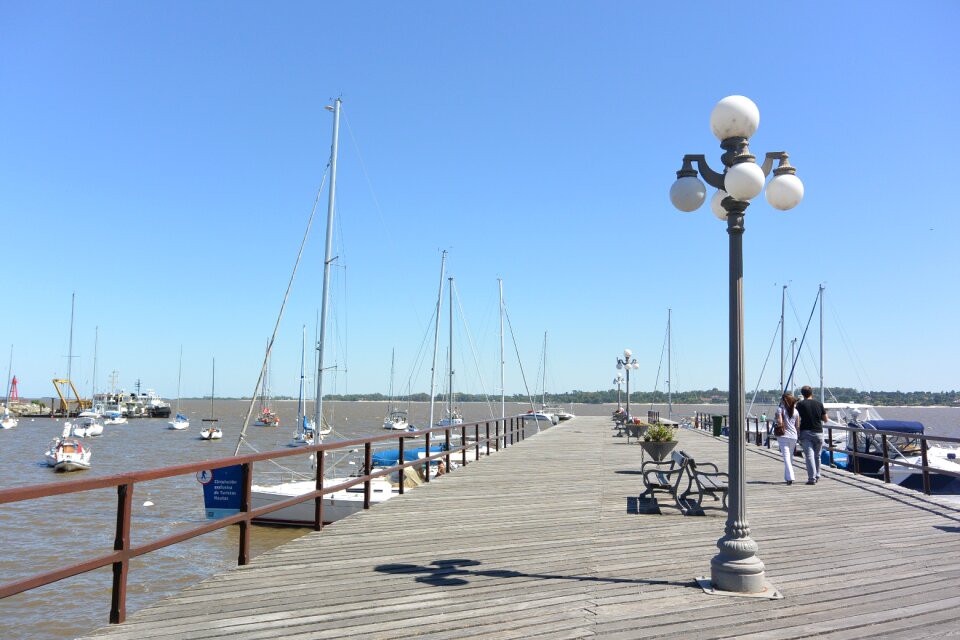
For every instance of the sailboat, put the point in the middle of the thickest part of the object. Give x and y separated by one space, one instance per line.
180 422
344 502
211 431
8 420
88 422
306 428
67 453
397 419
451 413
266 418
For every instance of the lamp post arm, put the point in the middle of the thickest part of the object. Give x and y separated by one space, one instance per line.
711 177
782 156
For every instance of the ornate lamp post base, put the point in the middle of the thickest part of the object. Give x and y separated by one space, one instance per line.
769 591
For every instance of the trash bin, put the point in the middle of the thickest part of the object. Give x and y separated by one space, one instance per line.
717 425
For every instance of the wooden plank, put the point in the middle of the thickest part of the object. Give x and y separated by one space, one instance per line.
537 541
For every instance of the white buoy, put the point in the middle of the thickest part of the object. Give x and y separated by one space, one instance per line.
148 503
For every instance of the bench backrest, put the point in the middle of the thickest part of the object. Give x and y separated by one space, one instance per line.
680 459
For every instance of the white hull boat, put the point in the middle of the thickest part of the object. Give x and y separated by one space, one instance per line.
85 428
179 423
211 433
68 454
8 421
336 506
114 417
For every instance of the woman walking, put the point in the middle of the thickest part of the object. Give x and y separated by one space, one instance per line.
788 419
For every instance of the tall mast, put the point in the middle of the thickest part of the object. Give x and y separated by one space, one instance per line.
450 353
393 353
6 406
793 359
213 385
73 298
783 306
93 384
436 337
327 259
821 344
301 401
179 375
669 369
503 393
543 399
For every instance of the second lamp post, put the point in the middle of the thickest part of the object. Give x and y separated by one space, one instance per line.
626 362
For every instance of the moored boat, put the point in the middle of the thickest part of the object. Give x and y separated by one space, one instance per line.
68 454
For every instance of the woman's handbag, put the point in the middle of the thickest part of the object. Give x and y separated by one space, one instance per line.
778 429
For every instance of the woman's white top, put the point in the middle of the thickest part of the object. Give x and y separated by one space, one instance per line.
790 424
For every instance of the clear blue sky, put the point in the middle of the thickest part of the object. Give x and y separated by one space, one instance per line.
160 159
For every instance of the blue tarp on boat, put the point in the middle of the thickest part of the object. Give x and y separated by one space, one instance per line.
903 426
390 457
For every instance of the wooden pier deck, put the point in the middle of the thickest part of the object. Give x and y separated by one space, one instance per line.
542 541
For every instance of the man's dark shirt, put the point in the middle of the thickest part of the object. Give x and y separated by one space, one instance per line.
811 415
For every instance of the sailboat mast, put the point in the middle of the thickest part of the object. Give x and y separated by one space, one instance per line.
179 375
822 399
669 368
6 406
213 385
436 337
73 298
783 306
93 384
393 355
543 399
450 353
503 392
301 403
328 258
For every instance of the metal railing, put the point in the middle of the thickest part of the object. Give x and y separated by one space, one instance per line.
506 432
884 451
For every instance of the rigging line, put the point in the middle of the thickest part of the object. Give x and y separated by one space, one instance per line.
473 350
851 353
420 357
366 175
276 326
800 348
764 368
656 384
517 349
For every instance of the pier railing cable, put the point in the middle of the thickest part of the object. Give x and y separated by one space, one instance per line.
505 432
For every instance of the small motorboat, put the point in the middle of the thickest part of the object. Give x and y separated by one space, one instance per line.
179 423
85 427
67 454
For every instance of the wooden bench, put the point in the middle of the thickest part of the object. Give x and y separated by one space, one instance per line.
712 483
665 477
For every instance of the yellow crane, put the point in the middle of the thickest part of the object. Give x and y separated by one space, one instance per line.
64 408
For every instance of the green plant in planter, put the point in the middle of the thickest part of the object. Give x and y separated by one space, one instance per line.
658 433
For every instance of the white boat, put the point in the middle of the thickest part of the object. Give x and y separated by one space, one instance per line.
8 420
306 428
180 421
114 417
211 430
67 454
397 421
336 506
85 427
266 417
540 418
345 502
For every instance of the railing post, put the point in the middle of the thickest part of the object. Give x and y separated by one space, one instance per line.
402 460
318 501
926 468
118 598
426 469
476 440
463 444
243 557
367 464
487 440
886 459
856 458
446 437
830 445
496 428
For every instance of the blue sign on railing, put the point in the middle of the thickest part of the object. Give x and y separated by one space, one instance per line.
221 490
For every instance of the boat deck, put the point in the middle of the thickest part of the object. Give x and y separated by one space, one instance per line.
543 540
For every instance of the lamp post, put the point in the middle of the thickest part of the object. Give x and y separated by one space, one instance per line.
626 362
736 568
618 381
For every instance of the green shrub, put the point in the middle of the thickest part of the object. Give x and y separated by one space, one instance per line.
658 433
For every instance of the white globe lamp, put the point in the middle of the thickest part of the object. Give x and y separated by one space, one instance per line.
716 204
734 117
784 192
744 180
688 193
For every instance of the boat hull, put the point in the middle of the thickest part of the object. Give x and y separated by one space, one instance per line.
336 506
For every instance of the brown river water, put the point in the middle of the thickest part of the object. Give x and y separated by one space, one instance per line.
41 535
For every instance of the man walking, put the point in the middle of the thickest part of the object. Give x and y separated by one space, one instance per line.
812 417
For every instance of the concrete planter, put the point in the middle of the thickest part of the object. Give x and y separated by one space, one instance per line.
658 450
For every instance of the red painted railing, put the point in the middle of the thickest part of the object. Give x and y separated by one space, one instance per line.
506 432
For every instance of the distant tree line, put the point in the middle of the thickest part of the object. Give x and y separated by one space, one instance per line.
709 396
